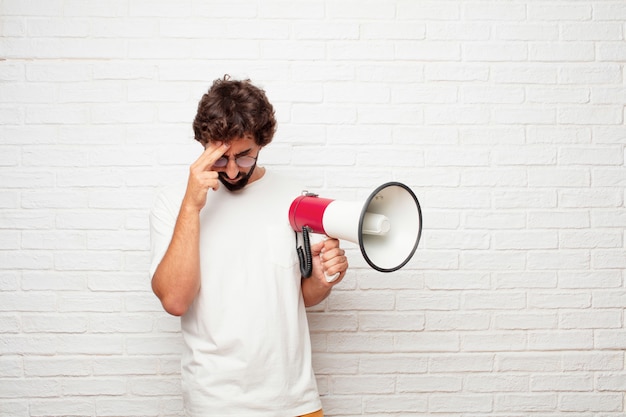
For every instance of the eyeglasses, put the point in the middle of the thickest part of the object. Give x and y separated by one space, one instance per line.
241 161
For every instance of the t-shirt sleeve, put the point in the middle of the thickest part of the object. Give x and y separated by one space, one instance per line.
162 221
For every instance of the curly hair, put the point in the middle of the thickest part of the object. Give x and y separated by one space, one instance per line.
232 109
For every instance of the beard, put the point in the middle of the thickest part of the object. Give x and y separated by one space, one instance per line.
241 180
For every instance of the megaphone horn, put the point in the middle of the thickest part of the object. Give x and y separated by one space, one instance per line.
387 226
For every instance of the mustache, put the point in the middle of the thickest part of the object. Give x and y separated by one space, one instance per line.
237 183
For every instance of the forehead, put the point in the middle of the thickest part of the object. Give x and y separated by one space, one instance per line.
241 145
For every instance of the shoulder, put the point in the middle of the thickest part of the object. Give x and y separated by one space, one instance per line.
168 198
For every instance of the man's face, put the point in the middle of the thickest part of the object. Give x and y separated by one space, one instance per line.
237 166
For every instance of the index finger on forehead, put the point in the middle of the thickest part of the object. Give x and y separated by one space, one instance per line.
212 153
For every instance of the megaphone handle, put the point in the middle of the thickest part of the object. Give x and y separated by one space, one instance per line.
304 254
306 259
329 278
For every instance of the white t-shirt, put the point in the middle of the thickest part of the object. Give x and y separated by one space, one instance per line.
247 349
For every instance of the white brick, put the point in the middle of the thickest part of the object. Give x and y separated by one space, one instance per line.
595 279
227 9
565 259
605 155
457 280
496 220
367 384
465 240
560 340
563 382
529 362
475 403
13 27
456 72
125 365
606 115
601 74
327 30
426 342
560 134
504 260
560 300
493 342
496 383
427 301
592 361
439 321
560 11
525 402
428 384
527 32
539 115
592 32
53 324
559 177
428 50
424 94
32 8
607 299
406 72
561 52
591 320
399 31
42 367
524 74
611 51
428 10
525 240
369 322
391 364
29 260
394 404
136 407
491 301
612 382
511 280
492 95
457 157
590 239
67 406
343 342
361 301
449 31
599 197
591 402
325 322
562 95
494 52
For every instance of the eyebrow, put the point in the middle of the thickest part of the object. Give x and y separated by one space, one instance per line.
247 151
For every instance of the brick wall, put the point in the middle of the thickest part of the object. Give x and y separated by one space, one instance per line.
505 117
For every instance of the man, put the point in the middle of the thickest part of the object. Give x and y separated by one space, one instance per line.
224 259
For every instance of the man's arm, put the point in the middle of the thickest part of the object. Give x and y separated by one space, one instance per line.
176 281
328 257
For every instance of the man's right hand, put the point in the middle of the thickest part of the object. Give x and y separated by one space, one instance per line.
202 177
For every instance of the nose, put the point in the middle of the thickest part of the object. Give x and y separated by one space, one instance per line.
232 170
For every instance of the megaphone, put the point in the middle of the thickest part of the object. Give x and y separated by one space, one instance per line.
387 226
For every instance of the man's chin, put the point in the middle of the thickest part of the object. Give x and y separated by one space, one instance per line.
234 185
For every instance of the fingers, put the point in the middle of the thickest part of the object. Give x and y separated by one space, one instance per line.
333 258
201 177
212 153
